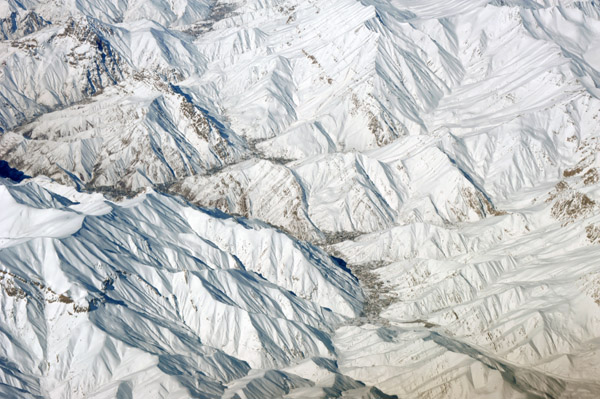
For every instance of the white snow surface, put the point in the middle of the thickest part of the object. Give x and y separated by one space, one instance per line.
156 293
243 153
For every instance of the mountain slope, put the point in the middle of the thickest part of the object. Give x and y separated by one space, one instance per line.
154 290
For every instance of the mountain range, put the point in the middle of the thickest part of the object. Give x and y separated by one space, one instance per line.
300 199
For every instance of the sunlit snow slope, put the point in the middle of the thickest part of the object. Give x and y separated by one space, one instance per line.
267 198
152 295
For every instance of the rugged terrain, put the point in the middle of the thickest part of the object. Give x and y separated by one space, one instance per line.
262 198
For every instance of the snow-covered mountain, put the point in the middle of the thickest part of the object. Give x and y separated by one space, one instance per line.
276 198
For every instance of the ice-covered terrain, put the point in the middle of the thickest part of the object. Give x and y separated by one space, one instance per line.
153 295
276 198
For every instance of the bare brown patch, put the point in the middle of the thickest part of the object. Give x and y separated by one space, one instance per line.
378 294
592 233
560 187
479 203
591 177
572 172
573 207
64 299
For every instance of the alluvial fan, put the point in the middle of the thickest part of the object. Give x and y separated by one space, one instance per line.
276 198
